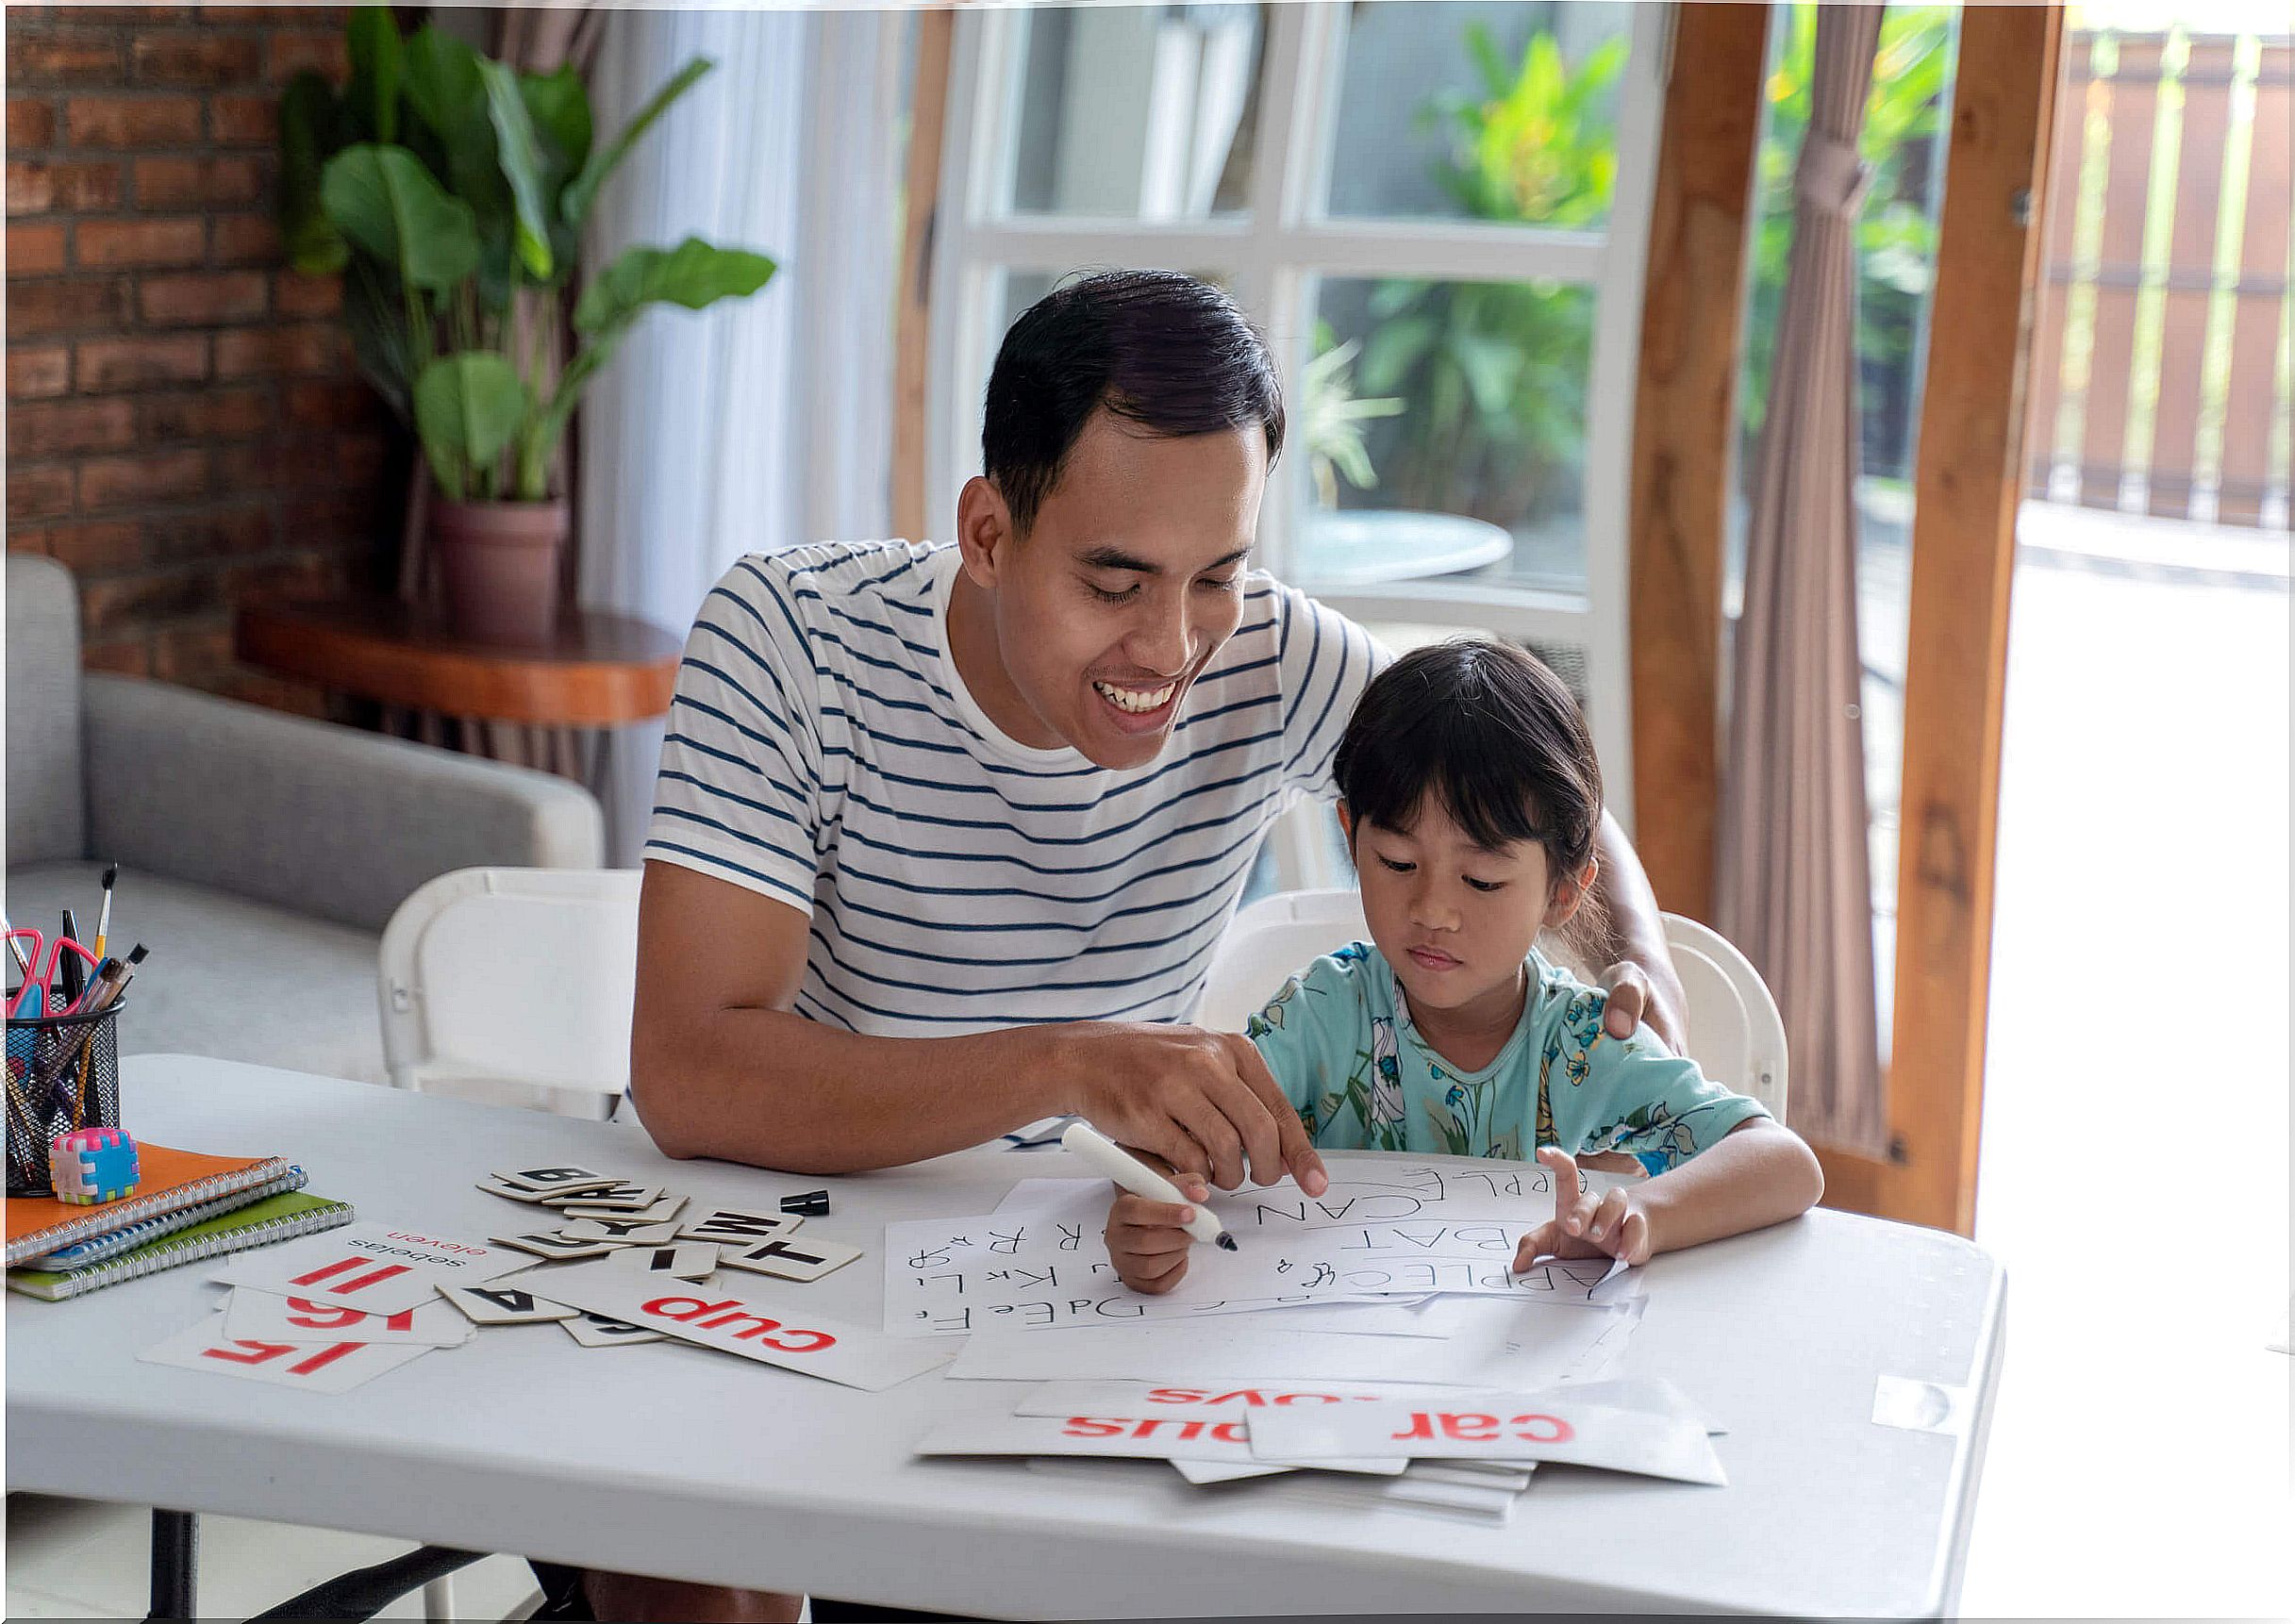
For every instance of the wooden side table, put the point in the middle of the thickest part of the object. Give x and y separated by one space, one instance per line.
538 704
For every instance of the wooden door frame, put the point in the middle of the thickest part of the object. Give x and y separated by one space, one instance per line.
912 335
1967 484
1967 480
1693 299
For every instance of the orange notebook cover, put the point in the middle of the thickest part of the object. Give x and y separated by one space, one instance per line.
167 1179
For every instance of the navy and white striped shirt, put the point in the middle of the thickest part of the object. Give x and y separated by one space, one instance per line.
822 751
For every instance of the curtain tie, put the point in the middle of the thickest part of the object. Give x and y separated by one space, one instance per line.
1830 175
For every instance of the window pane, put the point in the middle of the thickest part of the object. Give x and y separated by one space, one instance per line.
1444 425
1141 112
1906 123
1464 111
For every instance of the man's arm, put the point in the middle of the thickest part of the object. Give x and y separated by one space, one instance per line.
721 1064
1640 977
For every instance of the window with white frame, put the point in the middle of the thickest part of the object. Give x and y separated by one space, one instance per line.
1435 209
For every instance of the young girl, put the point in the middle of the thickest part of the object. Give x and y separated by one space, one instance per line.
1470 797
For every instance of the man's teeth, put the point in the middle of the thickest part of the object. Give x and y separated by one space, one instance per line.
1135 699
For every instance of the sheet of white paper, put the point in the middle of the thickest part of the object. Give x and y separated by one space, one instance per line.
1242 1349
1225 1471
1542 1426
321 1367
262 1316
1046 1266
376 1267
771 1333
1226 1402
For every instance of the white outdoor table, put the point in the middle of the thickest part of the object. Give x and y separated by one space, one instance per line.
676 1460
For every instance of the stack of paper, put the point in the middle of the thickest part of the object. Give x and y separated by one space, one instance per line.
1453 1449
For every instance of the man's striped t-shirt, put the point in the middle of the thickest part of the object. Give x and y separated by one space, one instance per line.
822 751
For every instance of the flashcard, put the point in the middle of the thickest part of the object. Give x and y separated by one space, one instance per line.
685 1260
730 1225
369 1265
830 1348
1151 1437
806 1259
596 1331
503 1305
557 1181
556 1248
614 1198
622 1232
261 1317
315 1367
663 1211
494 1186
1548 1426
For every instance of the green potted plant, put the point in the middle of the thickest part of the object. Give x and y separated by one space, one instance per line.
450 192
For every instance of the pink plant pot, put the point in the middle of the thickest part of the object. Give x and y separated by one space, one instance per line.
498 564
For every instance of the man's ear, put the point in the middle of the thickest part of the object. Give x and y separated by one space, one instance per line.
1569 892
984 530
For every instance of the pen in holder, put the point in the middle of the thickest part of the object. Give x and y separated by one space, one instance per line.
64 1073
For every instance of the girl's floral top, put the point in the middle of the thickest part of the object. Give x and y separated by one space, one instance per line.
1338 1038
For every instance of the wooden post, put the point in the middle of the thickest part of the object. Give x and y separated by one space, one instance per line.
912 363
1967 484
1693 292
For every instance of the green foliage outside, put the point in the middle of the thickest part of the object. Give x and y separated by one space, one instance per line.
451 191
1494 373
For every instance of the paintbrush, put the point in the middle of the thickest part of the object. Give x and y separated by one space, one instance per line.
103 920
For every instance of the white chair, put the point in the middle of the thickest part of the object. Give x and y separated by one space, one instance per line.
514 985
1735 1034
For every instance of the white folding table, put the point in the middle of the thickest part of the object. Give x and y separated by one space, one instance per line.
674 1461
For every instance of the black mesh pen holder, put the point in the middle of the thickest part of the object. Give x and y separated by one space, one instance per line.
64 1073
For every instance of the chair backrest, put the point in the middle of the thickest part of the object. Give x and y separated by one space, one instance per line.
1735 1034
512 975
46 800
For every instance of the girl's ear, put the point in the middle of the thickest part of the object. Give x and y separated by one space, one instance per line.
1346 827
984 530
1569 891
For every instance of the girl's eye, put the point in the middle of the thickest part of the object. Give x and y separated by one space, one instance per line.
1484 885
1219 583
1394 868
1107 597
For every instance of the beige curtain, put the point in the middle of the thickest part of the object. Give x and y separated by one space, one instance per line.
1794 888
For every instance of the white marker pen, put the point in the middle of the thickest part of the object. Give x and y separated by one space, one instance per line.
1111 1160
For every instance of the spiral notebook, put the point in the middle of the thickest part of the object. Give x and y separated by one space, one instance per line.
169 1181
84 1254
259 1223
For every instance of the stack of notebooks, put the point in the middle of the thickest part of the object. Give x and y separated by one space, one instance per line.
187 1206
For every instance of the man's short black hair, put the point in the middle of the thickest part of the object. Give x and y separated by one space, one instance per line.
1488 730
1159 349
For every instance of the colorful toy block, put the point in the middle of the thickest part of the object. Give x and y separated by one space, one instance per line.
91 1164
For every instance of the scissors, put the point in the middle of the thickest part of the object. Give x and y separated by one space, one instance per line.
38 980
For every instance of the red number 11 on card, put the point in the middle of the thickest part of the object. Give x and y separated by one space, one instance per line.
376 1277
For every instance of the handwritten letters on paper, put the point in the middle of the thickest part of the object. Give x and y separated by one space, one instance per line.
1422 1227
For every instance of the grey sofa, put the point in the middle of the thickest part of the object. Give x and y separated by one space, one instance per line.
261 854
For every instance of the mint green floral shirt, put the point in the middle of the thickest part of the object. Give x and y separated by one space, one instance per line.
1340 1039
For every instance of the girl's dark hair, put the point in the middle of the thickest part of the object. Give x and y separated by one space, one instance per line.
1165 351
1488 728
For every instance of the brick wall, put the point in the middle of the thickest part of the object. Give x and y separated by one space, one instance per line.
185 426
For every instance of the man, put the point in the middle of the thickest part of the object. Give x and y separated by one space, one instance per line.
946 836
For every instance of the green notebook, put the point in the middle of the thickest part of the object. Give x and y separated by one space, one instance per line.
258 1223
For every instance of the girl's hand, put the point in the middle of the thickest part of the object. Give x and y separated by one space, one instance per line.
1148 1241
1614 1225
